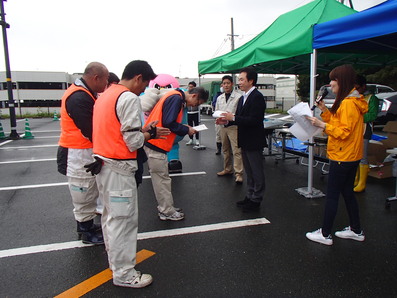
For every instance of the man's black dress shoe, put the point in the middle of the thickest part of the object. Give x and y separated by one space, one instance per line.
251 206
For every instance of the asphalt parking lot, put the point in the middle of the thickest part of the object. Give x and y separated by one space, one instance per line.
217 251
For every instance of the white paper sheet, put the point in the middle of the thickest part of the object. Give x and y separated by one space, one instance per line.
303 128
200 127
218 114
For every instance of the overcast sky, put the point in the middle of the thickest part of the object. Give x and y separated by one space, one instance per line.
65 35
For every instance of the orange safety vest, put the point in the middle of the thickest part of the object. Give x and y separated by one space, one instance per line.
107 137
157 115
71 136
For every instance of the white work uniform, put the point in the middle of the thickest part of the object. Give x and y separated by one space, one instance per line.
117 185
228 135
82 185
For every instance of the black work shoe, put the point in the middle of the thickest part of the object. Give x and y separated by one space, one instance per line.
243 202
89 225
218 148
93 237
251 206
89 232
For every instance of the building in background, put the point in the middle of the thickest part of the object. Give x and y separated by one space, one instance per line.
41 91
35 91
267 86
286 96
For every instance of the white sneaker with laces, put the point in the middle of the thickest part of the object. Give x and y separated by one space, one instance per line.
347 233
139 281
317 236
190 142
176 216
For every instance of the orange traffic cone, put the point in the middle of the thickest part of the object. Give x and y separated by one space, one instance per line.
28 133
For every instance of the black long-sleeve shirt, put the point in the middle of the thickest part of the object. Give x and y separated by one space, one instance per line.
80 107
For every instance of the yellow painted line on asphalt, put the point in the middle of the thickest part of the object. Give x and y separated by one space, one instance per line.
100 278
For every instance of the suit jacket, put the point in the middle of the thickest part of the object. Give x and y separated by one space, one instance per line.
249 119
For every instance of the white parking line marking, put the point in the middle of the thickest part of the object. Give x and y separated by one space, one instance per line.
32 186
204 228
48 137
28 147
5 142
65 183
44 131
141 236
26 160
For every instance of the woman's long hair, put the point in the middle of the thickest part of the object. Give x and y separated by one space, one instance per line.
345 75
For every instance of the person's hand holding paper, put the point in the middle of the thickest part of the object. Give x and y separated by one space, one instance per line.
316 122
218 114
303 128
223 118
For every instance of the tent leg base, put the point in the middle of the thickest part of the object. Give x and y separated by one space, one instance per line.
314 193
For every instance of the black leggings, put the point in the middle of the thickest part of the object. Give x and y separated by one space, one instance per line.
341 181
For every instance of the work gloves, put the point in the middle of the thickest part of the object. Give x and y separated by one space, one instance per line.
94 167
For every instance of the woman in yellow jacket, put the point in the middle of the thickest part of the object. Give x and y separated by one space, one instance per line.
343 124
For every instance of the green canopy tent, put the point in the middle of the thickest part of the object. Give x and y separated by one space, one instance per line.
285 46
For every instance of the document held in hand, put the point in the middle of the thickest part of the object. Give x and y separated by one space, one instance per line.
303 128
200 127
218 114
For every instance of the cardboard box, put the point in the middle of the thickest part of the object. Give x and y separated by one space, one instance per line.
320 150
382 171
377 153
320 147
391 127
391 133
376 156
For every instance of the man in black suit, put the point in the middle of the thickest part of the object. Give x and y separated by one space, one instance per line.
250 136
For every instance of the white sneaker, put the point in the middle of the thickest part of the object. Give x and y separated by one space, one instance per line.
139 281
190 142
197 143
317 236
176 216
347 233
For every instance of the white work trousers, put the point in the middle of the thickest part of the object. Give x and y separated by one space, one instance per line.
218 133
119 221
230 149
84 194
161 180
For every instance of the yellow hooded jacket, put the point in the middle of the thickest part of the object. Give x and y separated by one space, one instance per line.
345 128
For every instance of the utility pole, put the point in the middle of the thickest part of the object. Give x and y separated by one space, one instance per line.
232 35
11 103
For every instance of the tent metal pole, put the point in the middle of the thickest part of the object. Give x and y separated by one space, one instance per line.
309 191
313 74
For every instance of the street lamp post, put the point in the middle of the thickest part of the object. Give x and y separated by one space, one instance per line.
11 103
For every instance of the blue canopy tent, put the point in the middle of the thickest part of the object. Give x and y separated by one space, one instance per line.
370 31
367 38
